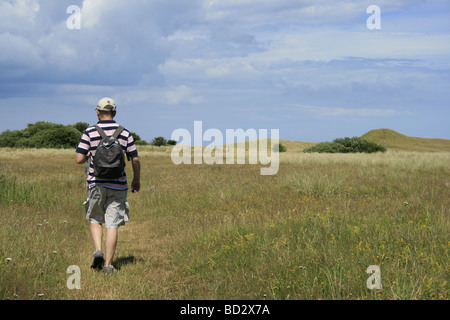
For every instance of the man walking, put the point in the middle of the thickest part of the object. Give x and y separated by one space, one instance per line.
107 196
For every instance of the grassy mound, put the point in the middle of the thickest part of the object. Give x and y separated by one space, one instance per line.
397 141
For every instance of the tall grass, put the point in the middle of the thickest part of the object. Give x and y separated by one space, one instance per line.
226 232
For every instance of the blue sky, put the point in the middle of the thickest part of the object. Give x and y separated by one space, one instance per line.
311 69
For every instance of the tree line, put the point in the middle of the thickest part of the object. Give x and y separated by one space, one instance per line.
51 135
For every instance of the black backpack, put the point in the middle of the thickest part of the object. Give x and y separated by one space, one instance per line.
109 159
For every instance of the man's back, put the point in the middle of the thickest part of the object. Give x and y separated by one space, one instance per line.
89 143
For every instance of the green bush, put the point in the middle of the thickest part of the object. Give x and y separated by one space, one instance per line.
59 137
326 147
49 135
346 145
159 141
10 139
35 128
42 135
279 148
138 141
135 136
141 142
81 126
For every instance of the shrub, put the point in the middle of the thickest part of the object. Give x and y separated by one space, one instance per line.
326 147
159 141
34 128
279 148
141 142
171 142
346 145
81 126
57 137
135 136
10 139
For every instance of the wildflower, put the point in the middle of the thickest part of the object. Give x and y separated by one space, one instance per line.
249 236
405 203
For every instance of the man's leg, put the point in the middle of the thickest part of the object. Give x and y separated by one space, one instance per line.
95 213
97 234
115 210
110 245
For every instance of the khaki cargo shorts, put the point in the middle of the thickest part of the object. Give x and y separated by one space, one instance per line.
108 206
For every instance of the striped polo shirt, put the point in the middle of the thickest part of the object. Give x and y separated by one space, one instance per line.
89 142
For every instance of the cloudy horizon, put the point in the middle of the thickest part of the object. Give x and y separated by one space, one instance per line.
311 69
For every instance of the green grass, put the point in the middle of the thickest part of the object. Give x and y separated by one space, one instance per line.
226 232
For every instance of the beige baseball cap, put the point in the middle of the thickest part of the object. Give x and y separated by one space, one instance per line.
106 104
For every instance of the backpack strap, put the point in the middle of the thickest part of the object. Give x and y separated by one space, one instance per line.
115 135
101 132
118 132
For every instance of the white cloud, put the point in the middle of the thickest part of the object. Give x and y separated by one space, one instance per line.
199 70
328 44
217 72
18 11
18 18
358 112
93 10
251 14
154 96
181 94
18 56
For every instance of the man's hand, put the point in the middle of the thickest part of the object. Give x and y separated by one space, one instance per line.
136 185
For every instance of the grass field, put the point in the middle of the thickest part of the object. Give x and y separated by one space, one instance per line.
226 232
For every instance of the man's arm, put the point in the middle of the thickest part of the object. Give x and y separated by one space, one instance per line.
136 164
81 158
83 149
